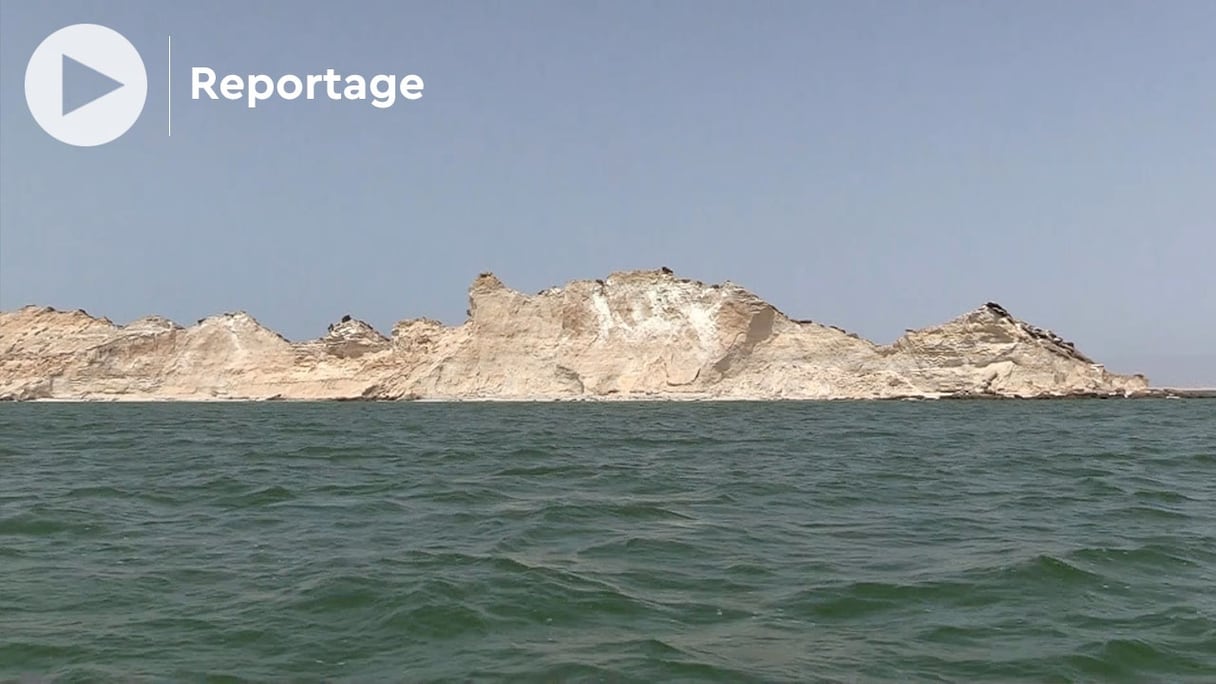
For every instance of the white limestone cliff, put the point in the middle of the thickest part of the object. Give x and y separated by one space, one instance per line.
633 335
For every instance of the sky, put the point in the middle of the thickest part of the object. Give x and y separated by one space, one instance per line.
871 164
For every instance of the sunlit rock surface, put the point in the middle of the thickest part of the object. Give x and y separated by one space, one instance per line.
633 335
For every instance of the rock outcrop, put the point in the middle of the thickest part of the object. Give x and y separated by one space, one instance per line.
633 335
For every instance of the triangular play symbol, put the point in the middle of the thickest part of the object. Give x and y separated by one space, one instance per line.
83 84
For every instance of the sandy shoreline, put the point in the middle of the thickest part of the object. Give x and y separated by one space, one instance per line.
1154 393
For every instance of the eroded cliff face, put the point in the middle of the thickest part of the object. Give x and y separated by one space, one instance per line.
633 335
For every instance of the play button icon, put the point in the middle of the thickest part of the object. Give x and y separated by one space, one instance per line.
98 84
85 85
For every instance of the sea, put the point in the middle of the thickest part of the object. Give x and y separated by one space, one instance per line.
930 541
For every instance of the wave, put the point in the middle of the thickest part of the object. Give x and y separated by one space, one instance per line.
47 521
1128 659
1151 557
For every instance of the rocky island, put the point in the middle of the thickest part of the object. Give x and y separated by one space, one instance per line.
632 335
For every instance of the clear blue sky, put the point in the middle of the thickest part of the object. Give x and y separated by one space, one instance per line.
877 165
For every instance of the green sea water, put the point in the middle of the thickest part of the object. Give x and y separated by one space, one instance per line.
949 541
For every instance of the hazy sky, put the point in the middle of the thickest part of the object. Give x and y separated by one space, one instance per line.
877 165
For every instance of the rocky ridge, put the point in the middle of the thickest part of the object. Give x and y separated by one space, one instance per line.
633 335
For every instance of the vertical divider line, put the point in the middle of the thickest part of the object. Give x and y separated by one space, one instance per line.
170 65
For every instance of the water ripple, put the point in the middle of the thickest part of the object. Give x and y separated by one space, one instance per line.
799 542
